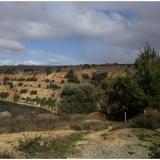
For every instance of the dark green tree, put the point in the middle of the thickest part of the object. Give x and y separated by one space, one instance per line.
147 74
77 98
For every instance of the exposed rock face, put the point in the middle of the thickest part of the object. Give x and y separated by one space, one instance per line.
32 87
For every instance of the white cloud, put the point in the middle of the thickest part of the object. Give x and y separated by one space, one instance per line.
11 45
101 21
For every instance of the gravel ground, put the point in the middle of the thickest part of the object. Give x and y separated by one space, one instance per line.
122 143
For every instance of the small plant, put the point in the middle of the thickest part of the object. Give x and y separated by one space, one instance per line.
20 84
71 76
62 81
6 79
23 91
47 80
30 145
32 79
16 97
155 151
85 76
4 94
33 92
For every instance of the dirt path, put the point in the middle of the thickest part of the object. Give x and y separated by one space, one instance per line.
122 143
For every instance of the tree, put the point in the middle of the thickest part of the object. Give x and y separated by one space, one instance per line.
126 95
147 74
77 98
139 88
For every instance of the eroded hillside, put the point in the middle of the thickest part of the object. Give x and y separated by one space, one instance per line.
43 87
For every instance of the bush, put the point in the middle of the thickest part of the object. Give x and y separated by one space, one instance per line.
151 120
47 80
23 91
85 76
71 76
33 92
98 77
86 66
155 151
53 86
20 84
16 97
77 98
32 79
62 81
6 79
4 94
30 145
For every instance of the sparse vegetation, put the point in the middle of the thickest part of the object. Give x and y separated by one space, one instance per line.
151 120
57 148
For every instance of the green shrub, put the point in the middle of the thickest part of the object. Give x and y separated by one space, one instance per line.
32 79
30 145
86 66
77 98
71 76
16 97
10 85
4 94
47 80
98 77
62 81
85 76
23 91
33 92
150 120
20 84
155 151
6 79
53 86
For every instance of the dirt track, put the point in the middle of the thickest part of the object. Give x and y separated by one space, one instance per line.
122 143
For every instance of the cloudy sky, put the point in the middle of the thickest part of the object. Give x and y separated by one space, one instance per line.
52 33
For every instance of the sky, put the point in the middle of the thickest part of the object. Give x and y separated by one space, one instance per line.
70 33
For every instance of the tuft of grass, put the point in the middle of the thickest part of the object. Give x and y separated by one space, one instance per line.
30 145
155 151
131 153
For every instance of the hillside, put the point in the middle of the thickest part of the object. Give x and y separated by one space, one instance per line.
34 85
